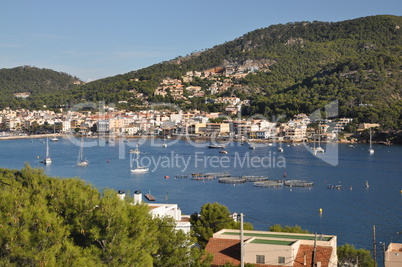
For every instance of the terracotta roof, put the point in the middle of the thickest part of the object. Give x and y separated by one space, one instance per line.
224 251
227 251
323 255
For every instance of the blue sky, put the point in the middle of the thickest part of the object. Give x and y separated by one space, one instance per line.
97 39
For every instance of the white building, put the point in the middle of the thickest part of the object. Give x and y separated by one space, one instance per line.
163 210
66 126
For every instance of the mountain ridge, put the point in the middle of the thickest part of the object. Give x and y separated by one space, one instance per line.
302 66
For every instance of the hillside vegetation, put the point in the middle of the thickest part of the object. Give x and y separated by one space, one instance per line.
306 65
34 82
65 222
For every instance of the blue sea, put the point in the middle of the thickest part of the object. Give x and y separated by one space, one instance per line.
349 213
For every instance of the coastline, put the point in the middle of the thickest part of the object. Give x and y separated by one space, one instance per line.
39 136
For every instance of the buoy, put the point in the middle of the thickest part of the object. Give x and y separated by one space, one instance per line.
350 187
320 211
167 177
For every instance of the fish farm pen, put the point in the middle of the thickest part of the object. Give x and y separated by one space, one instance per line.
298 183
217 174
181 176
269 184
232 180
255 178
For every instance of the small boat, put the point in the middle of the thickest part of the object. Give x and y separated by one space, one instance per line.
280 148
164 145
48 159
81 161
150 197
371 149
320 150
223 151
216 146
54 139
351 146
138 168
111 141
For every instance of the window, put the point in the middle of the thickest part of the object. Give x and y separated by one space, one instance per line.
281 260
260 259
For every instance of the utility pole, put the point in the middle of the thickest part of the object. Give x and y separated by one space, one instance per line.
241 241
314 251
374 248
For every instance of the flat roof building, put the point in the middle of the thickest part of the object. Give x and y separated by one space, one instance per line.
273 248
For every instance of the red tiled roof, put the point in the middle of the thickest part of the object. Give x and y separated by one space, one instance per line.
224 251
323 255
227 251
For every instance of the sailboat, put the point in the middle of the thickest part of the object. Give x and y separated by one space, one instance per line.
319 149
47 159
138 168
164 145
81 161
54 139
280 149
371 149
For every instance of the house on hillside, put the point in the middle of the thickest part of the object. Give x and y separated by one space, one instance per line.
163 210
273 249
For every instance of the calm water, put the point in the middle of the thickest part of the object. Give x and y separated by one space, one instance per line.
349 213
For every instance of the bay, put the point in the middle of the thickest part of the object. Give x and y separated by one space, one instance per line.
349 213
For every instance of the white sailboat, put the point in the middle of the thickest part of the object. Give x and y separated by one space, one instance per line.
54 139
81 161
138 168
319 149
371 149
48 159
280 149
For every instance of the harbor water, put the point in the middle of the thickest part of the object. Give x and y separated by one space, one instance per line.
367 191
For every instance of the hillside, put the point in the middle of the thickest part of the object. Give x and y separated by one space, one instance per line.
31 82
282 69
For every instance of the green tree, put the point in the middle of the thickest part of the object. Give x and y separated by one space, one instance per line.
348 254
49 222
287 229
177 248
212 218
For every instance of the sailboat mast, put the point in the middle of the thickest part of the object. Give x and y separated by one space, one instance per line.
370 138
47 147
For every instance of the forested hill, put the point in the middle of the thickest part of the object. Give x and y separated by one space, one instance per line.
32 81
296 67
